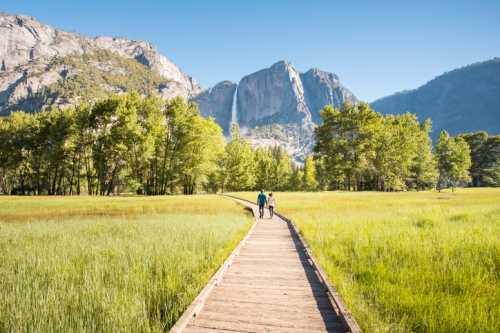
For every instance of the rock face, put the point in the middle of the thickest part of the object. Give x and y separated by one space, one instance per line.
275 95
323 88
463 100
272 95
217 102
276 105
34 56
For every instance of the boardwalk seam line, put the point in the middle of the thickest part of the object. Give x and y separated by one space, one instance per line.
197 304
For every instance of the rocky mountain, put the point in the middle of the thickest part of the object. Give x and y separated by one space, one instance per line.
276 105
217 102
41 65
275 95
463 100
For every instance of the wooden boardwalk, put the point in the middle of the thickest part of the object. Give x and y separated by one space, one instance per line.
270 286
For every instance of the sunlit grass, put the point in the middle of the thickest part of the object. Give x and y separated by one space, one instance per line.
422 262
109 264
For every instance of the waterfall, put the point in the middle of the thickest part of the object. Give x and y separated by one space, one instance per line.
234 109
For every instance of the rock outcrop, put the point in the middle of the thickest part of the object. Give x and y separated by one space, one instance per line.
34 56
272 95
217 102
322 88
276 105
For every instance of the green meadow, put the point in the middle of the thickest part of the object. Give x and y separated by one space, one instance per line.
407 261
116 264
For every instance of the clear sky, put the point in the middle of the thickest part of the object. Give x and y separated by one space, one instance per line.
376 47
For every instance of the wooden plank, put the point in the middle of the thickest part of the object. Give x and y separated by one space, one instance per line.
289 308
269 311
259 328
198 329
269 319
322 302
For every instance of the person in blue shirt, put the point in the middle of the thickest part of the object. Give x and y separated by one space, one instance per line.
261 201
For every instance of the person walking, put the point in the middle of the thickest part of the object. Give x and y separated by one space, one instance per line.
261 201
272 203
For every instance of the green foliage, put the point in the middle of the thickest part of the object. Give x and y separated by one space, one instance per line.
93 76
485 156
454 160
309 175
281 169
264 161
297 179
121 143
357 148
237 168
424 170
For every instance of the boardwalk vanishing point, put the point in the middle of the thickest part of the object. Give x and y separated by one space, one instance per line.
270 283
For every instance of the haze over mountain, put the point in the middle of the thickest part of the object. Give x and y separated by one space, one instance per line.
463 100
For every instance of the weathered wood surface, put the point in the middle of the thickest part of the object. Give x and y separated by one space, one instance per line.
269 286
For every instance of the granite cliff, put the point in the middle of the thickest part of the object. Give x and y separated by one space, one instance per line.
41 65
276 105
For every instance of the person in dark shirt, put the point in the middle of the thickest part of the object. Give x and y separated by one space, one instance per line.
261 201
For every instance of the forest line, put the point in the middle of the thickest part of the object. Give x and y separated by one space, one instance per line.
145 145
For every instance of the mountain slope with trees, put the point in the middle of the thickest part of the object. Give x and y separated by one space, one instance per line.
466 99
41 66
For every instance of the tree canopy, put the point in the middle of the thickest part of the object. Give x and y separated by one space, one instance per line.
146 145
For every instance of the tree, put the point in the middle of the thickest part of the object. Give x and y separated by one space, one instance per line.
453 160
296 181
490 162
115 120
475 142
309 178
263 166
324 177
485 156
424 169
238 171
281 169
346 139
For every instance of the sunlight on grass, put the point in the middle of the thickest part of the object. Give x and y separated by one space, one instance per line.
109 264
422 262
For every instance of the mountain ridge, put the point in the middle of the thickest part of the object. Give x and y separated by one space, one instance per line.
29 47
277 94
465 99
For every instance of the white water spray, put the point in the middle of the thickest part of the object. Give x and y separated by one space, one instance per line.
234 109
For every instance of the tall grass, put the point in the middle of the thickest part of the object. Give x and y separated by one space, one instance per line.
109 264
407 262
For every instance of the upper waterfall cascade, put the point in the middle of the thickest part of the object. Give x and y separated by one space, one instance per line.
234 108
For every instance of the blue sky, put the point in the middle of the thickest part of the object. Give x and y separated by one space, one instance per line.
376 47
